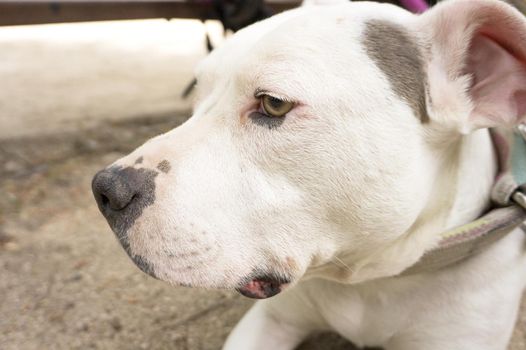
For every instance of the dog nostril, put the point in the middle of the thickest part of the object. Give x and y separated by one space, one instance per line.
104 200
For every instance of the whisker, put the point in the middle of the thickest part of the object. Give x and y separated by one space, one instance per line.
344 264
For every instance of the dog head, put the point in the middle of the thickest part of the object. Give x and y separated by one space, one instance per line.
318 131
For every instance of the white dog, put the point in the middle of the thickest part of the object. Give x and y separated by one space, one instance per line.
329 148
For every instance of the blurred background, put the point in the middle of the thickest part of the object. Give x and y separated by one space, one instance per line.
74 97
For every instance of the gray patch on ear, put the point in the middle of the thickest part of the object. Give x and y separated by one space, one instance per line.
139 160
164 166
397 54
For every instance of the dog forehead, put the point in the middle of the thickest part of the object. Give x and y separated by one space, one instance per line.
344 37
286 27
242 42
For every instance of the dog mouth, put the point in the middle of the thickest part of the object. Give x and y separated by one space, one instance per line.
263 286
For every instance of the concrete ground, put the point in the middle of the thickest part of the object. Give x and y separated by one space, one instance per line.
67 109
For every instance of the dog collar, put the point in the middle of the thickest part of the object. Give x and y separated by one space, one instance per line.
508 197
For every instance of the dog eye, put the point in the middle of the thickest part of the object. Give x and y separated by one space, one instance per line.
274 107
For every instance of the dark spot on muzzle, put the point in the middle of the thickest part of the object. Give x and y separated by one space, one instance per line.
164 166
262 285
122 194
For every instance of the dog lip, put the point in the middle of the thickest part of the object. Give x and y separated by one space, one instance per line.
262 287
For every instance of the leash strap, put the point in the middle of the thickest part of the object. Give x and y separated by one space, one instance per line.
508 194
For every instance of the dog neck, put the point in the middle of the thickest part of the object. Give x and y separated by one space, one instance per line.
464 178
476 171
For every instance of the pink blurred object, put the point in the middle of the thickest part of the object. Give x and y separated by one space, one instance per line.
417 6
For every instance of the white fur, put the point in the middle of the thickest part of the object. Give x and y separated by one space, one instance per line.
346 193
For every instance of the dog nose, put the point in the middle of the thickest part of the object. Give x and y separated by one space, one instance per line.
122 193
114 189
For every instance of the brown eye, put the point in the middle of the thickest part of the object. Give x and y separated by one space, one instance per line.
274 107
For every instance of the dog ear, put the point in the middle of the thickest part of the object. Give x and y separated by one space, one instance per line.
476 63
